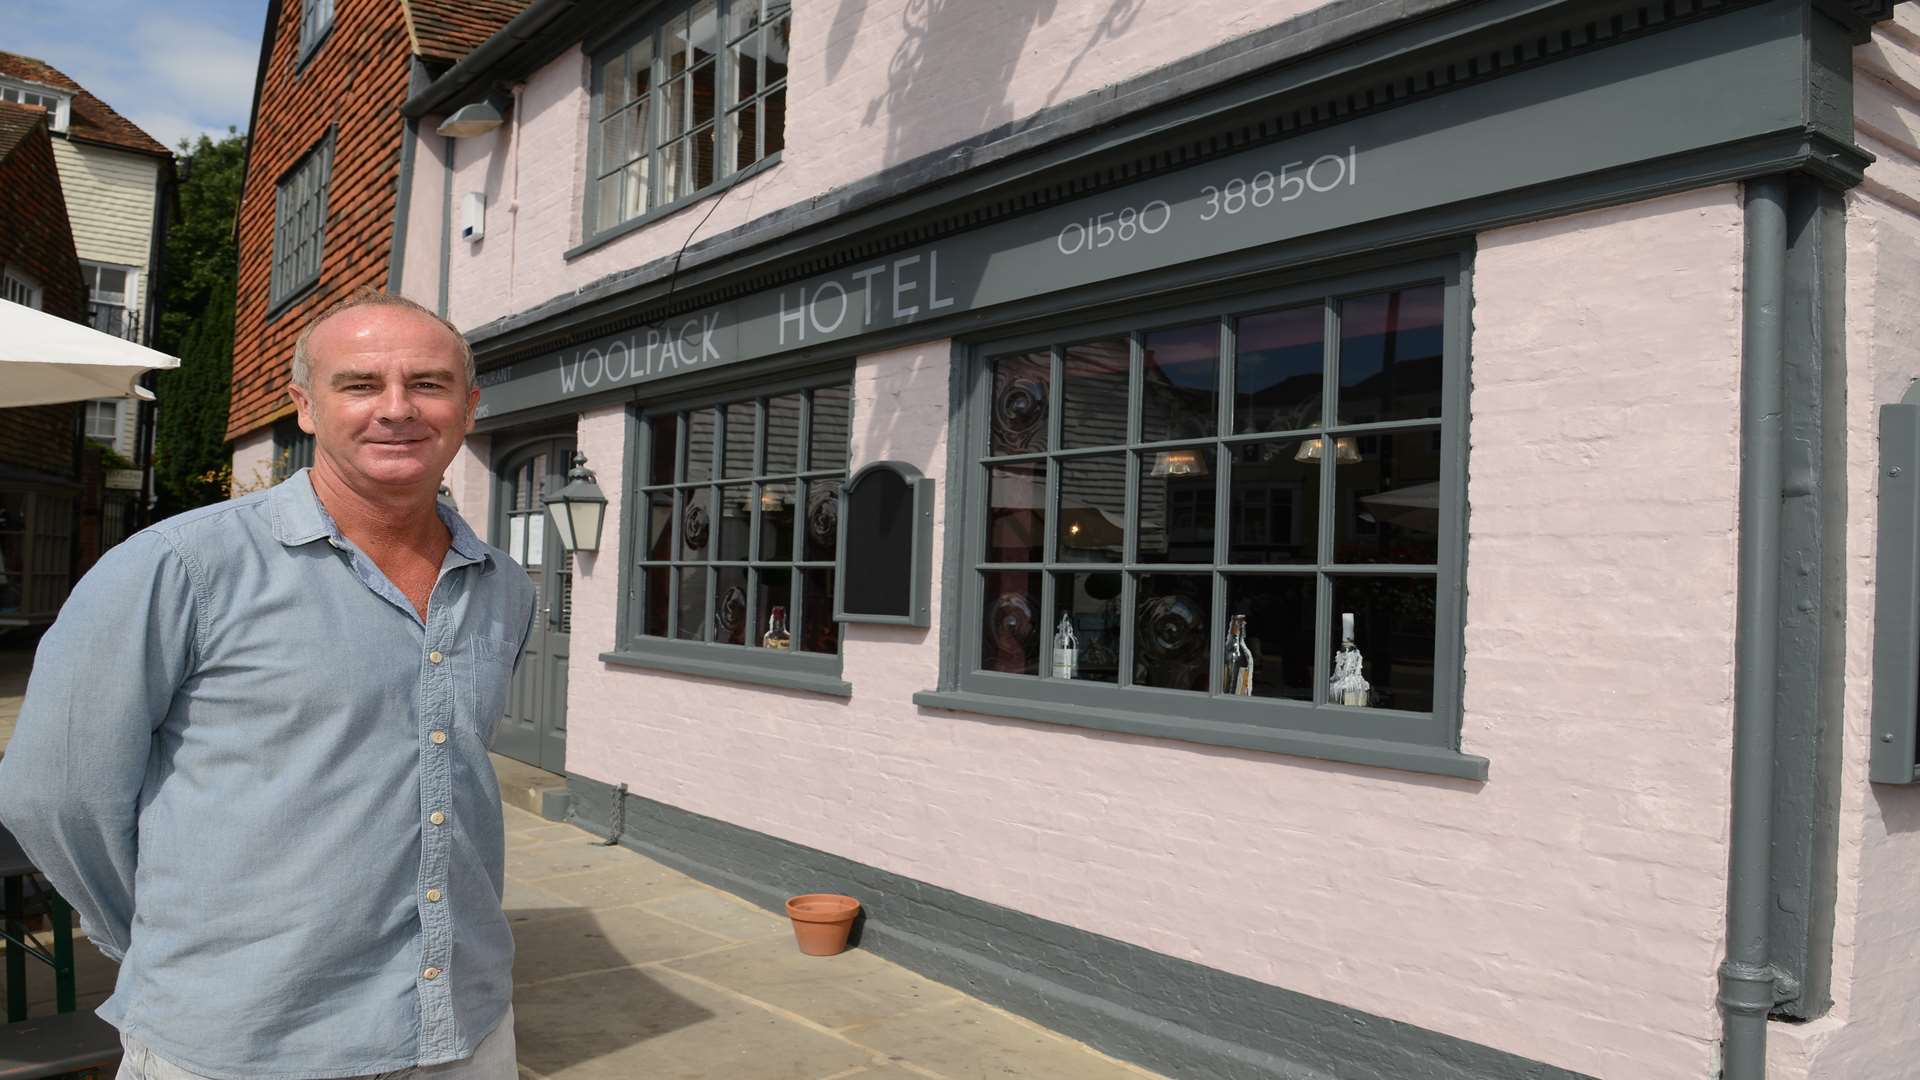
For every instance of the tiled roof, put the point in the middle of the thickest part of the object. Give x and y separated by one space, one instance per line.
16 121
89 119
450 29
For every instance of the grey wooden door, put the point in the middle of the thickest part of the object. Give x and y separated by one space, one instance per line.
534 729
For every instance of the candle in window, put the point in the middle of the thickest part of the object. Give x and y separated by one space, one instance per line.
1349 684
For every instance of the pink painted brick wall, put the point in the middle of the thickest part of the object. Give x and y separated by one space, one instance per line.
872 85
1598 680
1874 1028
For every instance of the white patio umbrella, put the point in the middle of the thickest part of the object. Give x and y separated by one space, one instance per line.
45 360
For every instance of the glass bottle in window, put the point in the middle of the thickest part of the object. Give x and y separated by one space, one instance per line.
1066 650
1239 665
777 635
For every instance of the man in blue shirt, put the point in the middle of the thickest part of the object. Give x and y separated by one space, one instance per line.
253 751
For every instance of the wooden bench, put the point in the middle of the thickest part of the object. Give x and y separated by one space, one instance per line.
75 1042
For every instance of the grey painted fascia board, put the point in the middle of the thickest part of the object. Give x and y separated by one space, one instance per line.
795 233
1379 243
403 202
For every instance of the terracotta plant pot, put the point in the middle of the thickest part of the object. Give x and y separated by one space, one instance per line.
821 922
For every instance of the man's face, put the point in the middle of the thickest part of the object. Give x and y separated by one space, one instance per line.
388 403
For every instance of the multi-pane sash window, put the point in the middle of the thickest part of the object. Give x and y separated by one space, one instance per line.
691 101
739 515
1144 486
292 449
20 290
107 289
316 17
300 222
55 104
103 420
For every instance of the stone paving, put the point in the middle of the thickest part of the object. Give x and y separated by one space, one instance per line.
629 970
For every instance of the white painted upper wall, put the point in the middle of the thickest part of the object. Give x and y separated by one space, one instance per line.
110 200
870 86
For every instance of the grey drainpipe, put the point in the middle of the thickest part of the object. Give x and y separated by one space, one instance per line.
1748 980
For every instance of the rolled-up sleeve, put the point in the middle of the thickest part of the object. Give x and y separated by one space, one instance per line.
103 681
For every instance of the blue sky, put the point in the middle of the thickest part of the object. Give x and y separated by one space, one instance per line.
175 67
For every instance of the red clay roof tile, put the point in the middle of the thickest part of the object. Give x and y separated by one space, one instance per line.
450 29
89 119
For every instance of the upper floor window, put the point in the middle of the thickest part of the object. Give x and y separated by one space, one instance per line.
56 104
300 222
316 18
685 104
1215 516
20 289
103 420
109 292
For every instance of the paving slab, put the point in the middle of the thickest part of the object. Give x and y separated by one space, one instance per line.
618 883
648 1023
579 940
970 1041
851 989
567 855
721 913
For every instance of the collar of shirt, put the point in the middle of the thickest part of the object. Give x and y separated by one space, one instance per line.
299 518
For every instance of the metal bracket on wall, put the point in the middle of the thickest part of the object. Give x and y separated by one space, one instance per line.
1896 634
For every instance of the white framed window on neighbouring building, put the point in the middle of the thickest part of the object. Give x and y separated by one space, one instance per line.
103 420
19 289
58 105
110 291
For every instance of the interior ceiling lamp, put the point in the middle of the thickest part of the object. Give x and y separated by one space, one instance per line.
1346 450
1179 463
579 509
473 118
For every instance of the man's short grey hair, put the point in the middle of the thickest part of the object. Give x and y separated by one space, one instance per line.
370 297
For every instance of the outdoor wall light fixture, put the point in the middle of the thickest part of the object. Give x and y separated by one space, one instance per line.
474 118
579 509
1346 450
1178 463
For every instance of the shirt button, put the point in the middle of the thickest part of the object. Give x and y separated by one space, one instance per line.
433 896
437 818
438 737
430 974
435 656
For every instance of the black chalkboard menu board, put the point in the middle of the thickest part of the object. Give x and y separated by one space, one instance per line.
886 541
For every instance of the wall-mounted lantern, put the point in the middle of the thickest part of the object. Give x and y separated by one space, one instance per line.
579 509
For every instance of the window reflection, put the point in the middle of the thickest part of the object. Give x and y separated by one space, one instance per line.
1091 603
1393 629
1092 517
1389 500
1180 382
1176 518
1390 355
1280 617
1016 512
1019 406
1010 628
1094 409
1171 628
1279 362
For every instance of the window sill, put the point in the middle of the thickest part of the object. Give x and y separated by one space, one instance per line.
812 674
660 213
279 307
1409 757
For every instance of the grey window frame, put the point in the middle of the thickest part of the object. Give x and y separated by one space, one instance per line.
816 672
292 448
1421 742
286 283
725 112
316 24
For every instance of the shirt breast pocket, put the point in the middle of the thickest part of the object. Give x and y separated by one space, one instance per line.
489 683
